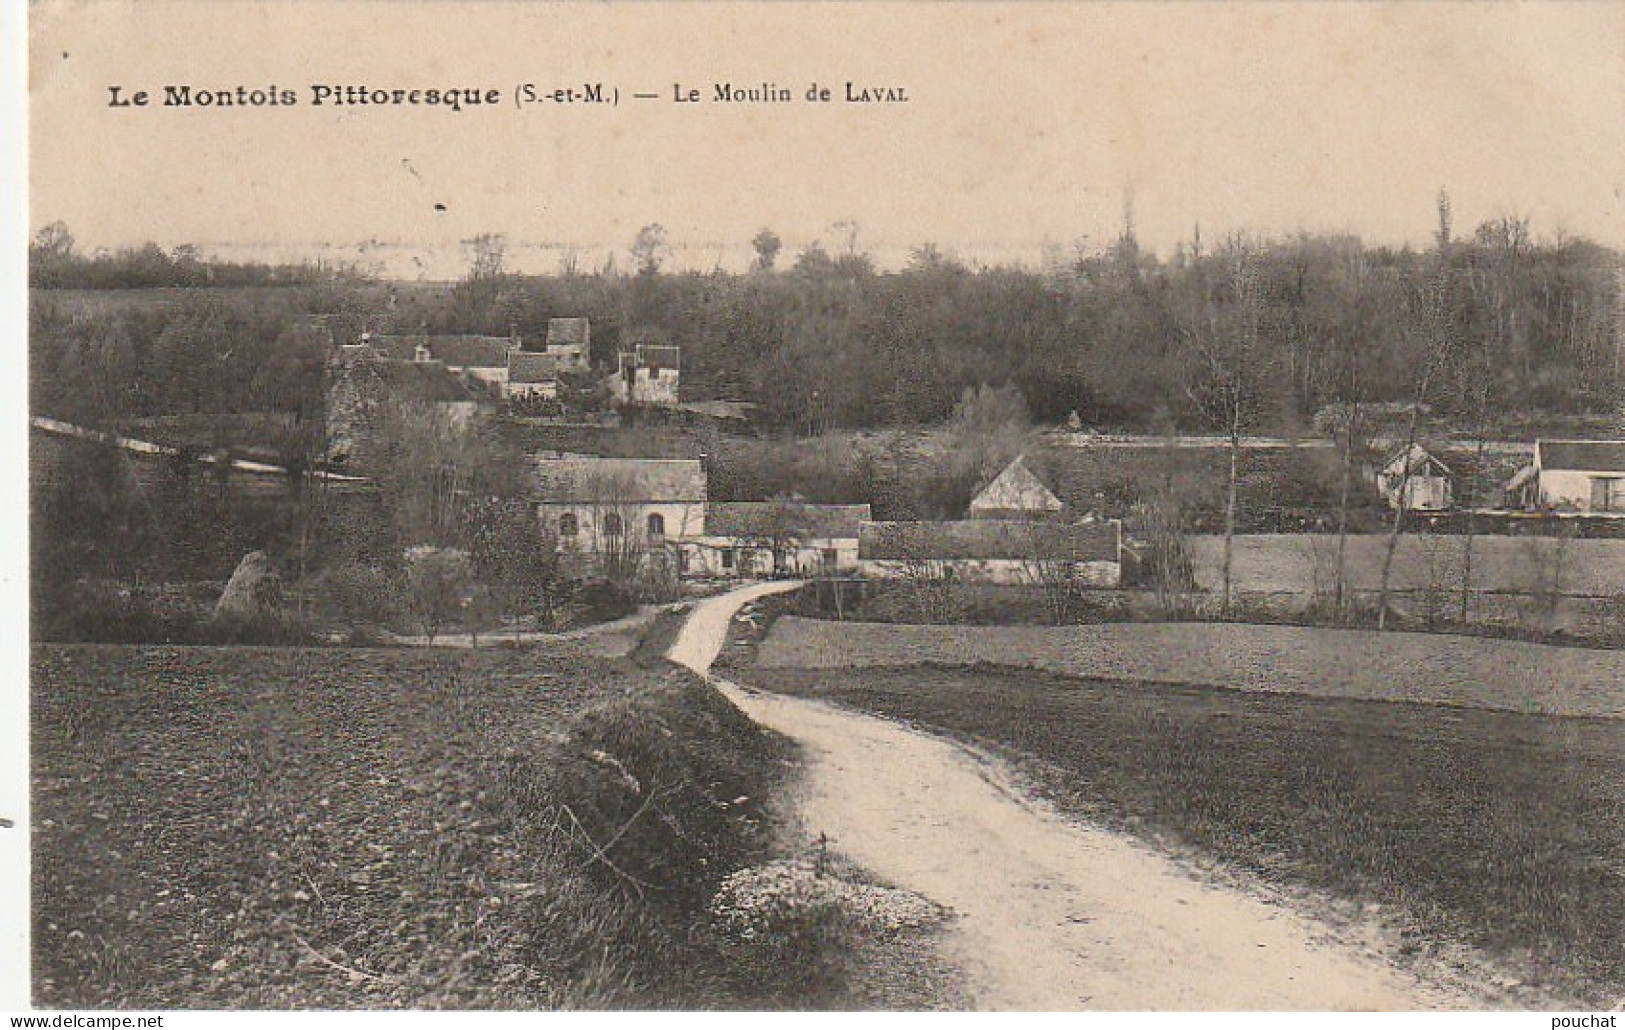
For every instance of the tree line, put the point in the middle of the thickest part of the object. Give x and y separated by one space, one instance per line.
830 341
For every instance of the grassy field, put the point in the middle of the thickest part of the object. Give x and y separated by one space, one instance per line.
1501 831
1300 562
1359 664
239 828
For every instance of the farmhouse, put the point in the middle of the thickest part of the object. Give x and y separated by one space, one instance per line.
1015 493
993 550
648 374
1586 476
783 537
484 358
501 361
569 340
532 375
1415 480
620 509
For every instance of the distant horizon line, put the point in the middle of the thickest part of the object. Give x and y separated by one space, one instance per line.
714 255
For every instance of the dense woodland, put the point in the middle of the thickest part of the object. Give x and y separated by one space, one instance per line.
1243 336
1491 321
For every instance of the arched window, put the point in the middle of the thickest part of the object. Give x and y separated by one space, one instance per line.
657 525
612 525
567 524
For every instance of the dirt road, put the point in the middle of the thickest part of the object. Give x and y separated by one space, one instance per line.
1049 915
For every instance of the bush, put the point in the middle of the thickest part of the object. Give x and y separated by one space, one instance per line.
437 581
354 594
602 601
110 612
272 628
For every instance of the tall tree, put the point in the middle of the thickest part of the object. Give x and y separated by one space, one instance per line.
1229 367
1434 336
767 245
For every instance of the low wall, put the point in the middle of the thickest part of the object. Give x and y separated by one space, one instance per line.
1433 668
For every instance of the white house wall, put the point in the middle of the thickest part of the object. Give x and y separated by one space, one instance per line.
548 390
1422 493
656 388
684 520
705 556
1564 488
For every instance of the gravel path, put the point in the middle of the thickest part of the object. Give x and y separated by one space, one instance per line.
1049 915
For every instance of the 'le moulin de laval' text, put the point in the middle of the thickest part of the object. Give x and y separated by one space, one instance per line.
461 98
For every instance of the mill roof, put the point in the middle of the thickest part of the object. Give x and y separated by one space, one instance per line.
429 381
531 367
618 480
1581 455
785 518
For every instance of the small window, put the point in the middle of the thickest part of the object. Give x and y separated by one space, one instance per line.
657 525
613 525
728 558
568 525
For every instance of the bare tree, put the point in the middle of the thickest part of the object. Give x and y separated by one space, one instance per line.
515 557
781 532
628 551
1434 334
929 584
1054 561
1475 369
437 581
1229 367
1546 569
429 469
1160 521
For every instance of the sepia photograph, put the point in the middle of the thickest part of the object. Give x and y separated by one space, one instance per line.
872 507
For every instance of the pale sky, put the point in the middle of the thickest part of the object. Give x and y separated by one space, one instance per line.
1027 124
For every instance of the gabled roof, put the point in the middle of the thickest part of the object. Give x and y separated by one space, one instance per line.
1522 478
769 519
1017 488
471 351
618 480
531 367
988 539
1418 462
568 332
1581 455
428 381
